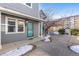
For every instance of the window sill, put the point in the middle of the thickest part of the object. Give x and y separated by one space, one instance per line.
14 32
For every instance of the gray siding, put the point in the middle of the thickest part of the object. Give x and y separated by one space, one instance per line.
22 8
7 38
2 28
12 37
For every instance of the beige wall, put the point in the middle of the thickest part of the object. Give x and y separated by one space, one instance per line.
65 23
76 23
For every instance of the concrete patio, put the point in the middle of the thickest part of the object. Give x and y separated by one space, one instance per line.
13 45
58 47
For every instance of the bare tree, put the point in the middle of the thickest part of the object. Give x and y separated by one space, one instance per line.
50 12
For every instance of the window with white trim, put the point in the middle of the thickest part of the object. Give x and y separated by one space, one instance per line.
11 25
15 25
20 26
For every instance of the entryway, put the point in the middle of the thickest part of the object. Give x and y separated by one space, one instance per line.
30 29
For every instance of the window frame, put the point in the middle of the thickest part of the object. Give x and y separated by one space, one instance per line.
23 26
27 5
16 25
11 25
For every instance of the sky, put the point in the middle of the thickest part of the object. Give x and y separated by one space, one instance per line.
61 9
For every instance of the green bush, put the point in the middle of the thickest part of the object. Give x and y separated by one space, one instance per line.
75 32
61 31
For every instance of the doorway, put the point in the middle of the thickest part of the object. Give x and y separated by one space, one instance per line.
30 29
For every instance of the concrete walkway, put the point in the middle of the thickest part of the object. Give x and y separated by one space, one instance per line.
55 48
37 52
58 46
13 45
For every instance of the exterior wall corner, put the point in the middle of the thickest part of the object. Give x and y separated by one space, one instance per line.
0 31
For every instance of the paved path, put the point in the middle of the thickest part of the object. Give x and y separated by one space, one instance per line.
58 47
14 45
37 52
55 48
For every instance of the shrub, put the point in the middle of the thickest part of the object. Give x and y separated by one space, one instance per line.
61 31
74 32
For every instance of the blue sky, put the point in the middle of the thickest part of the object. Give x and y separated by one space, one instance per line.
62 9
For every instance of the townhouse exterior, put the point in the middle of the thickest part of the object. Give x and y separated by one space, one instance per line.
19 21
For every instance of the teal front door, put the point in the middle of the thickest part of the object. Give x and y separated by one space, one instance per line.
30 30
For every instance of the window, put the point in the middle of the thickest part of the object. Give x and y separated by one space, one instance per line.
20 26
28 4
11 25
14 25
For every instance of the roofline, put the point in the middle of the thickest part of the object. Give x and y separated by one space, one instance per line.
19 13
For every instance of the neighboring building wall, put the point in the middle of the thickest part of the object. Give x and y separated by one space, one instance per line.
66 23
71 22
76 23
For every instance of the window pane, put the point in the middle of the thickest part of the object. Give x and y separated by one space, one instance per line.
11 28
11 23
29 4
20 26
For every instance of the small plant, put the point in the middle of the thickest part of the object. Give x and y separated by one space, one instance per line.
61 31
75 32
